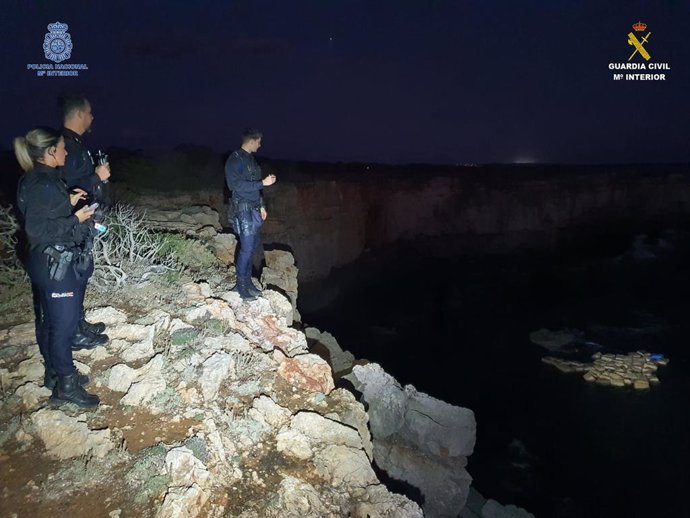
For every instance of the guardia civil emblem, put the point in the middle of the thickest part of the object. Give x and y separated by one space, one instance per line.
57 44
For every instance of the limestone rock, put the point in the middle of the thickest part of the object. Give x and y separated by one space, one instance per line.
444 482
147 384
293 444
257 321
438 427
344 466
266 410
280 305
321 430
299 498
335 449
183 502
224 246
176 324
197 292
130 332
386 398
380 503
341 361
31 370
206 232
212 308
216 369
308 372
121 377
23 334
187 220
66 437
108 315
159 319
418 438
349 411
184 468
139 350
280 271
32 394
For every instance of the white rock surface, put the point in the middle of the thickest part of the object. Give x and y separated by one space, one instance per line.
32 394
121 377
266 410
108 315
31 370
217 369
419 439
183 502
147 384
66 437
184 468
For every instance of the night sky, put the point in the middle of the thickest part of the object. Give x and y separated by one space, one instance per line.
353 80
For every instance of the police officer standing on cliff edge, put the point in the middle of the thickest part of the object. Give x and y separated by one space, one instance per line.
80 173
247 209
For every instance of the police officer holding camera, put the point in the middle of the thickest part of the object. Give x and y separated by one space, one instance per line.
80 172
53 230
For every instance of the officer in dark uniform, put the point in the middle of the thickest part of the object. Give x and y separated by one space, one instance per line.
54 262
243 177
79 171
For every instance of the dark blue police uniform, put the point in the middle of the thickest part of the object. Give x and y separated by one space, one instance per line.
51 227
80 171
243 177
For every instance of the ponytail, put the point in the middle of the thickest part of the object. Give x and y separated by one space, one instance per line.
21 151
29 148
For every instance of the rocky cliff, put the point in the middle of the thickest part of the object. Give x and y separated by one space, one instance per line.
329 219
211 407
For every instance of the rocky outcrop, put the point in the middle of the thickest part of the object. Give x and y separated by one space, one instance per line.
193 220
241 419
419 439
326 345
66 437
280 272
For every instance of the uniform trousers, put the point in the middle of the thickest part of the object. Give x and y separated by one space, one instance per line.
57 305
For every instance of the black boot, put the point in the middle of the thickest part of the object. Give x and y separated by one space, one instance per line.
242 288
50 379
94 329
253 290
68 390
88 341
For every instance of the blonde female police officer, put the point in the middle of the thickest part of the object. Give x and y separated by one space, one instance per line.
54 233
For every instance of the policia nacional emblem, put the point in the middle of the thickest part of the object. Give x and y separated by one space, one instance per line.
57 44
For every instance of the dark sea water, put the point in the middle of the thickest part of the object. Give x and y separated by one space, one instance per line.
458 328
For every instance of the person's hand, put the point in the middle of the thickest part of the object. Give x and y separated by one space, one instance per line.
269 180
263 214
76 195
84 213
103 172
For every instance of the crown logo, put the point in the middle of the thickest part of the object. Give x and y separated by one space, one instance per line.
639 26
57 27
